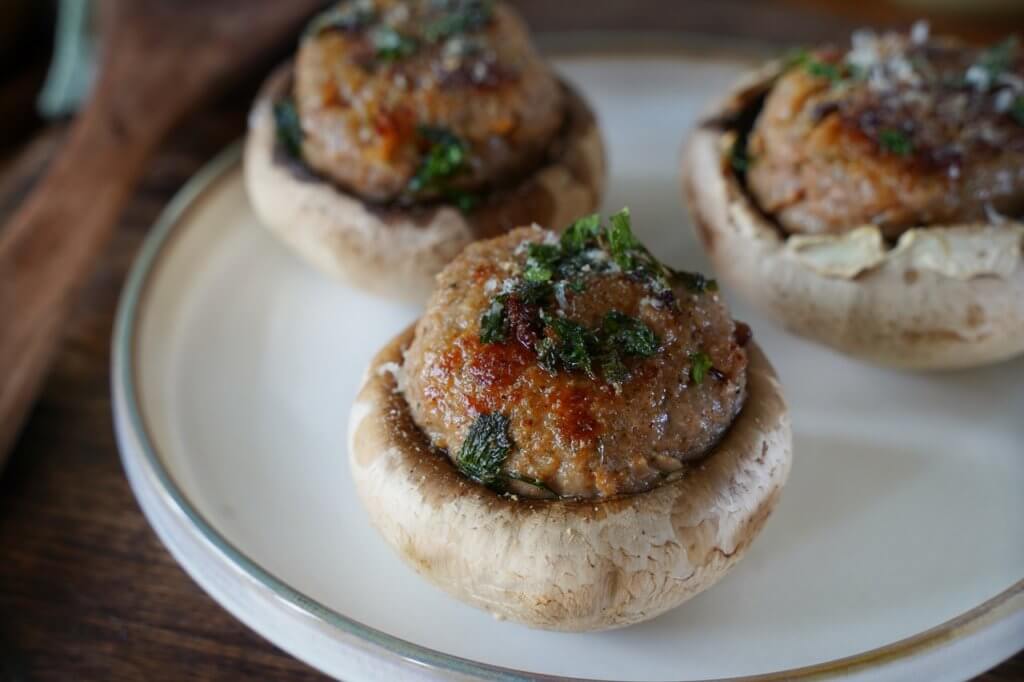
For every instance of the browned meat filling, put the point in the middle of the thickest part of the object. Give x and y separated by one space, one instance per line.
578 367
899 131
408 100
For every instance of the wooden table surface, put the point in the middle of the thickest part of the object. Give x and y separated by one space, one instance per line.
87 592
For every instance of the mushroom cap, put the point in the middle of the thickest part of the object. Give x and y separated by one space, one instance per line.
562 564
360 242
943 297
885 133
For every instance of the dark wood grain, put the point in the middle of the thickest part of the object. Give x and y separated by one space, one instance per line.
87 592
149 75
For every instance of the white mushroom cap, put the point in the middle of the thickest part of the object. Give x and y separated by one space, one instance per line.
558 564
942 297
360 243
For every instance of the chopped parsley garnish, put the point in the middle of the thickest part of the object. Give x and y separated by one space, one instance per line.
623 336
1017 109
633 257
628 335
574 348
434 22
483 453
547 355
622 245
390 46
739 156
895 142
493 322
821 69
445 158
485 449
540 262
613 369
346 16
533 293
289 128
815 66
584 230
537 272
700 365
575 344
460 16
531 308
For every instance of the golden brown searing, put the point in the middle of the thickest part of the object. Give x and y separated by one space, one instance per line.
406 100
607 371
901 130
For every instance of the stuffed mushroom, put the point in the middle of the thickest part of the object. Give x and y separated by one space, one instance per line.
871 198
404 129
574 435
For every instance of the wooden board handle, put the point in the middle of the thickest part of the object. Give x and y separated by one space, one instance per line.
50 243
160 58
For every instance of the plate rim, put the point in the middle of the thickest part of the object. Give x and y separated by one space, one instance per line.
124 354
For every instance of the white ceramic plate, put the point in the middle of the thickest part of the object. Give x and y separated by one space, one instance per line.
897 551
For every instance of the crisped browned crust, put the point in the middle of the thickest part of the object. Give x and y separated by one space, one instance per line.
486 85
575 434
557 564
899 132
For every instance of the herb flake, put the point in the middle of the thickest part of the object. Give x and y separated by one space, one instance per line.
391 46
574 344
895 142
461 16
547 355
621 242
700 364
446 157
533 293
485 448
552 270
814 66
822 69
584 230
572 347
739 156
628 335
289 127
613 369
540 262
493 322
